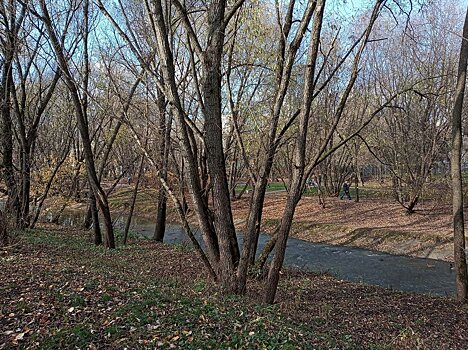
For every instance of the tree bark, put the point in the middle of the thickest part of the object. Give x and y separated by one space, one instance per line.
164 140
12 204
223 221
460 265
94 213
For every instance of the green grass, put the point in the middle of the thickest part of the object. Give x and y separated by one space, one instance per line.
364 192
79 336
272 186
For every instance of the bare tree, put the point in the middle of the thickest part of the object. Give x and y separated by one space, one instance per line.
80 100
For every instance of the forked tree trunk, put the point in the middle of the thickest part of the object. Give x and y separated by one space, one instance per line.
461 273
168 70
285 61
211 90
414 199
80 105
296 186
297 182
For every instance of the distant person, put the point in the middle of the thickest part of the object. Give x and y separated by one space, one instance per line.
345 191
311 183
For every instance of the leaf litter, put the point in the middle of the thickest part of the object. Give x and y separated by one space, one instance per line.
59 291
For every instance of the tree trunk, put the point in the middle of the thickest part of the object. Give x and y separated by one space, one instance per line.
94 214
164 140
88 220
457 180
81 115
223 223
356 171
262 258
280 246
25 185
285 61
414 199
295 190
12 204
134 196
160 227
168 70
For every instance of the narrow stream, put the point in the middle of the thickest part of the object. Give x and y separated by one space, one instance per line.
420 275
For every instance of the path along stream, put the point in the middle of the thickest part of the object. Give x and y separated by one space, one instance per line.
420 275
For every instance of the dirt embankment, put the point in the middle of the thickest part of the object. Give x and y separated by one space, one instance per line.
378 224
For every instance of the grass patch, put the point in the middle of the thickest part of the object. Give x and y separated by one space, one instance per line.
78 336
272 186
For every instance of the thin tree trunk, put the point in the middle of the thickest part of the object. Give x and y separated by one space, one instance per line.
267 249
94 213
110 144
49 185
88 220
164 135
25 185
285 62
134 196
356 171
160 227
299 170
461 273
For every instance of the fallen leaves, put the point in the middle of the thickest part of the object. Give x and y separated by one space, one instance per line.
81 296
374 223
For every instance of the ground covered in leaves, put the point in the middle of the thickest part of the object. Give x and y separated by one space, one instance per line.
58 291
